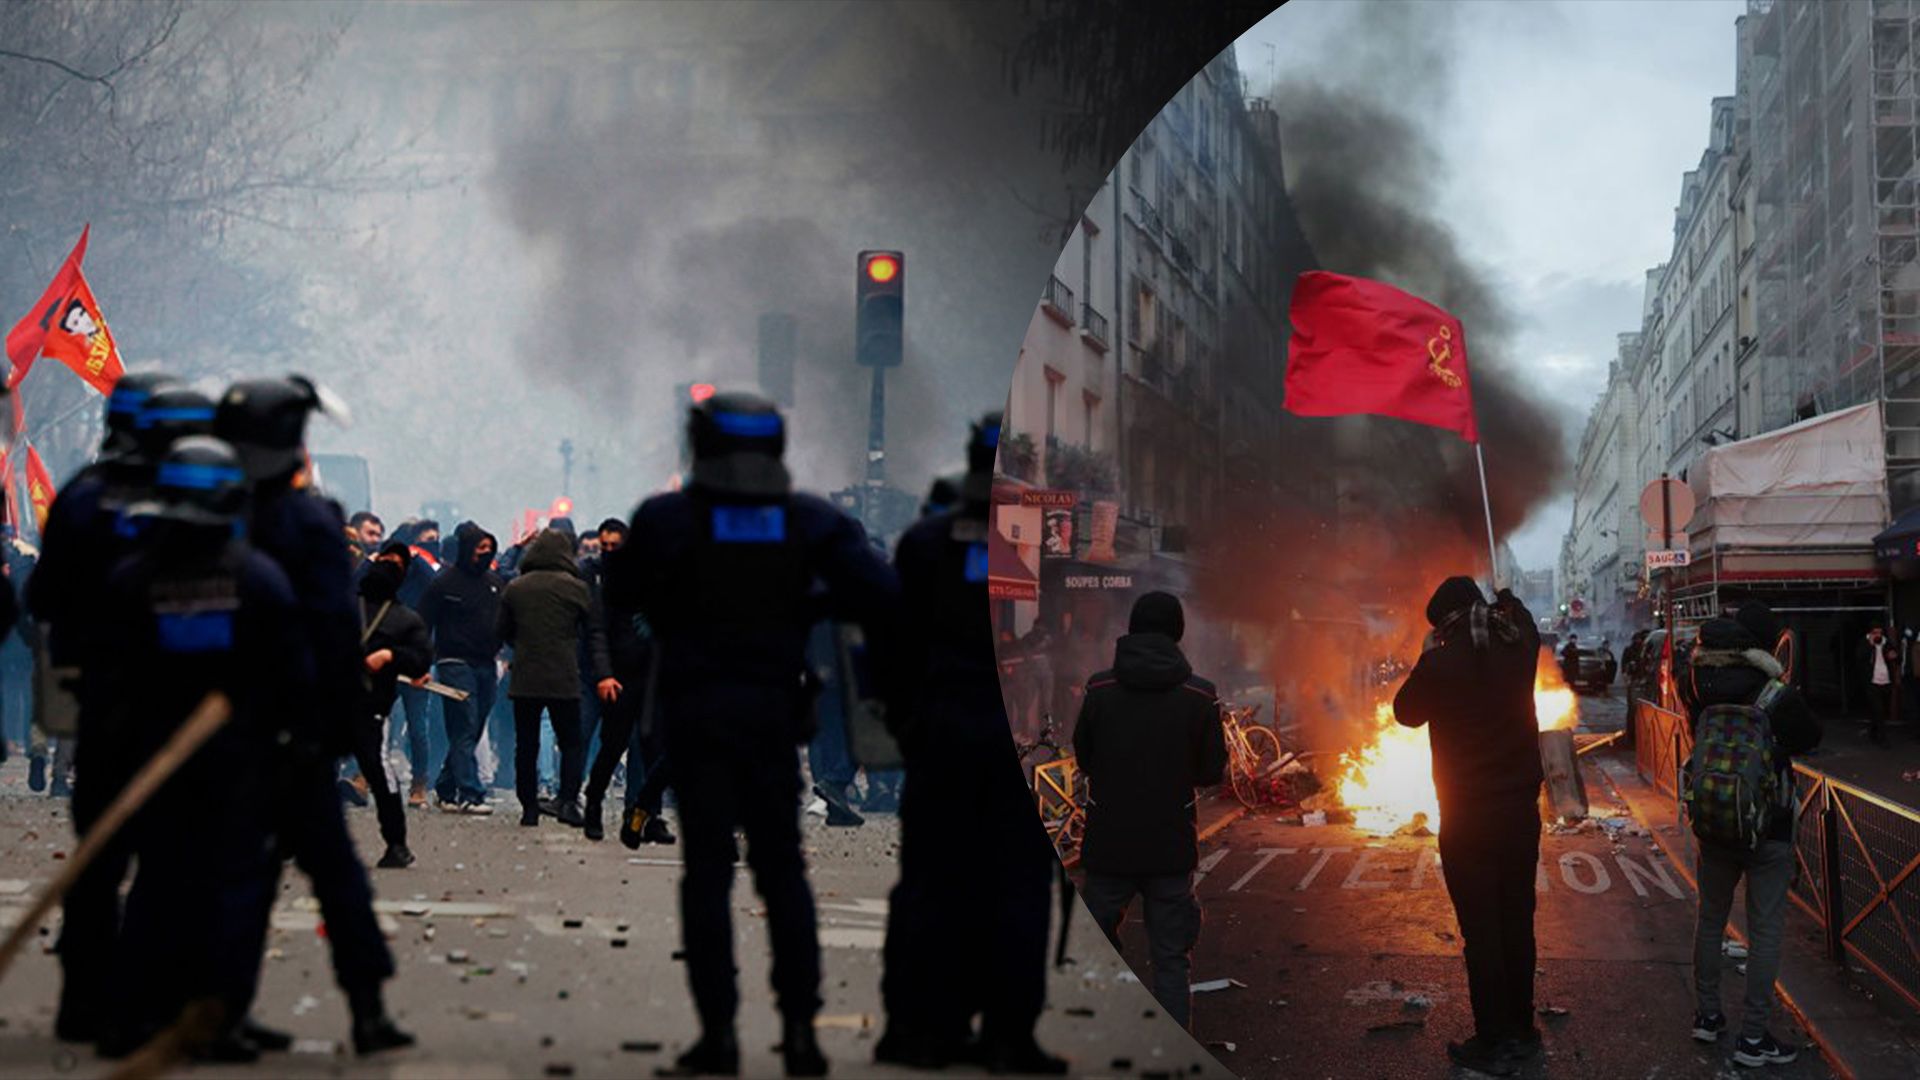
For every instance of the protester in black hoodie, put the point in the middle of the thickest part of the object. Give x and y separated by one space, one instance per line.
461 608
1731 665
1473 690
1148 735
397 646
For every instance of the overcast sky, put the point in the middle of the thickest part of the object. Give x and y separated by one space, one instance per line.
1564 129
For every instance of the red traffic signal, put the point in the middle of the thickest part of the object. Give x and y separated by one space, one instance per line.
880 309
562 507
882 268
699 392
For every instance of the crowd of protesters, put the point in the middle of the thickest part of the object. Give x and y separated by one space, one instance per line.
210 614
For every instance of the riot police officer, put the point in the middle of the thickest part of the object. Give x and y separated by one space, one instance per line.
86 534
266 421
957 944
723 572
194 612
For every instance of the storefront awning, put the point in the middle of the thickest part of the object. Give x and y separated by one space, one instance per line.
1900 540
1007 575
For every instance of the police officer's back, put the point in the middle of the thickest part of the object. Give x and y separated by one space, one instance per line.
967 923
722 571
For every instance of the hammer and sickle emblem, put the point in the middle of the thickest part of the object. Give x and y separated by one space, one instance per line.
1440 349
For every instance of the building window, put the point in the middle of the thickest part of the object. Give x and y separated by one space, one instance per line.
1091 402
1054 379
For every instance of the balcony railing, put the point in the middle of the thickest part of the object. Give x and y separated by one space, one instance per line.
1093 326
1057 301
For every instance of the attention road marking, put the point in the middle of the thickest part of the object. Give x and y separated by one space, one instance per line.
1376 869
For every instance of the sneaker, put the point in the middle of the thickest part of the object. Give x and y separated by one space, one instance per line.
417 796
396 858
569 814
1764 1050
839 814
655 831
1521 1048
37 773
60 788
351 794
1707 1027
446 805
594 821
481 809
529 816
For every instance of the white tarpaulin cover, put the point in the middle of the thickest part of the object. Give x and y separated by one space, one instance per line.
1820 483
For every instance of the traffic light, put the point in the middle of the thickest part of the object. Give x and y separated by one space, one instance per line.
689 394
880 308
562 508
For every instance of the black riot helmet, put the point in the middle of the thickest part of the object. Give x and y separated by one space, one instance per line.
266 421
199 482
982 447
129 397
737 440
169 414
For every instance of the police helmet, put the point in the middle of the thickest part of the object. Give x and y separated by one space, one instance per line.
982 447
170 413
129 396
737 440
266 421
200 482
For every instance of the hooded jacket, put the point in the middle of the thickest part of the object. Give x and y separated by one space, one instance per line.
1473 691
398 628
1148 735
462 604
1728 667
546 614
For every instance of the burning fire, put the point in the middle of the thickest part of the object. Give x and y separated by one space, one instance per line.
1388 784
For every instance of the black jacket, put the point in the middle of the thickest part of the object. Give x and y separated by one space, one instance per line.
1728 667
402 630
622 648
545 615
1477 705
462 605
1148 735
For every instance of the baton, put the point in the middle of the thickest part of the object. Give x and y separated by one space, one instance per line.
208 717
445 691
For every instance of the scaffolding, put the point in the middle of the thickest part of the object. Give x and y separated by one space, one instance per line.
1834 113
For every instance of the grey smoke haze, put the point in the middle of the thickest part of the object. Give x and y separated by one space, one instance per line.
1364 173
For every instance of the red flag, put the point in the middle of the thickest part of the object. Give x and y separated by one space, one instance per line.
67 325
6 491
1363 347
39 488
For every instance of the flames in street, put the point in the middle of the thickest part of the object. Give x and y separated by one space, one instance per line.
1388 783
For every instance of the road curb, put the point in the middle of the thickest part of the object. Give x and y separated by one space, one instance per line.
1830 1051
1233 814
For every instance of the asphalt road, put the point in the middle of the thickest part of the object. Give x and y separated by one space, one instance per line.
1347 955
530 952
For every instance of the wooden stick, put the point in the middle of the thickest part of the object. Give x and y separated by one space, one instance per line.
210 716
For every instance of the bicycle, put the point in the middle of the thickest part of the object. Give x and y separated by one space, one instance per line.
1254 757
1059 793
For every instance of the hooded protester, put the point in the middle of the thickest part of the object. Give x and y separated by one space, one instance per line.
967 922
1473 691
462 609
397 647
422 542
1148 734
1731 665
545 615
625 676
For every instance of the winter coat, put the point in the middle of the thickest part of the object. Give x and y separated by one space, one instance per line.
1476 701
623 648
1728 667
545 614
462 605
1148 735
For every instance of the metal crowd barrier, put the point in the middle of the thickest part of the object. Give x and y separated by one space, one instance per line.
1858 856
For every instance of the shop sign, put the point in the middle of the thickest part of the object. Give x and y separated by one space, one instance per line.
1051 500
1097 581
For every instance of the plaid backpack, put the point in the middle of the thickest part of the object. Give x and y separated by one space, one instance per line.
1730 784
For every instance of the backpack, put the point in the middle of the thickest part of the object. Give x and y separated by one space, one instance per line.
1730 784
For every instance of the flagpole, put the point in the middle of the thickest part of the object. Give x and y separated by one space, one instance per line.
1486 504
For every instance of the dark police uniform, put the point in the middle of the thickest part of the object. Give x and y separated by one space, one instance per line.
967 923
724 578
196 611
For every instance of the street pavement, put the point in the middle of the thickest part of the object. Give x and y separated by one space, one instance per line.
532 952
1345 956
